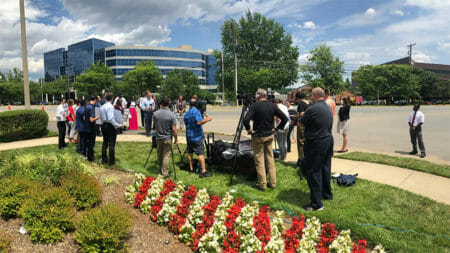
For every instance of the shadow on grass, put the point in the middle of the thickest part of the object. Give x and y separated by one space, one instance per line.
295 197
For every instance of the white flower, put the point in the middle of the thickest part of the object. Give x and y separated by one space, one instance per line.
152 194
195 216
130 193
276 243
379 249
311 235
343 243
170 204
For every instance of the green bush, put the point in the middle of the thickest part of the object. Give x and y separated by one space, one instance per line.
83 188
104 229
13 192
48 169
48 215
22 125
5 240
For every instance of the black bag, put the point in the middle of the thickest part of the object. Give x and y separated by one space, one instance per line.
346 180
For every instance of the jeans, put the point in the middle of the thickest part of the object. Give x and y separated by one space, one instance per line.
281 137
317 162
109 140
61 134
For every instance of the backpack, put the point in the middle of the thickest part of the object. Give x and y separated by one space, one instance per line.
346 180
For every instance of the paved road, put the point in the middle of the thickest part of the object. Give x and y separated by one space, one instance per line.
377 129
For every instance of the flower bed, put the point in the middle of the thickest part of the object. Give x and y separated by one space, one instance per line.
211 224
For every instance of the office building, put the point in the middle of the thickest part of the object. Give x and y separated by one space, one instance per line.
122 59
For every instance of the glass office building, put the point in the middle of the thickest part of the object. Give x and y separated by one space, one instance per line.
122 59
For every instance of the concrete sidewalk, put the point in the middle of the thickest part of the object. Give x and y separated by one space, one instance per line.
428 185
434 187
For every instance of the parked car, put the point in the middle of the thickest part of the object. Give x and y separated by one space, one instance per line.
18 103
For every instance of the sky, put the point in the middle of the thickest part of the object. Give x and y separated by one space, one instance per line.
358 31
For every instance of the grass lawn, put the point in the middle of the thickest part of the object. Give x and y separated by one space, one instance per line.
403 162
423 222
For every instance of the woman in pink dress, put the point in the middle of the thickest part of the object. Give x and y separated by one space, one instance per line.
133 123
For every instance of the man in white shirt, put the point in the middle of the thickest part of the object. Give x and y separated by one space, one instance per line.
148 105
109 127
415 121
282 135
61 123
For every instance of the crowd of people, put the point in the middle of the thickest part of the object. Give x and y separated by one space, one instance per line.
272 120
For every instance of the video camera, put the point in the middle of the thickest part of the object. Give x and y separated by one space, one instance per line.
201 106
270 94
246 98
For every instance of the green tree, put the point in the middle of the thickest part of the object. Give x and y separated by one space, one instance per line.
145 76
266 56
173 84
428 81
56 87
94 80
323 70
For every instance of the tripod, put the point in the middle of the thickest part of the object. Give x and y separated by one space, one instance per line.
154 145
237 138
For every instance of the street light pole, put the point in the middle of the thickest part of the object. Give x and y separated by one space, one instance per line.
26 83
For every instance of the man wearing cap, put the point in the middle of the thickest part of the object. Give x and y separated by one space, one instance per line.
90 129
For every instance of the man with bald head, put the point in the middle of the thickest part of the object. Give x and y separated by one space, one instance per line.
318 121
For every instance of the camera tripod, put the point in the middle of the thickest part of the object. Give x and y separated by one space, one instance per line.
237 137
154 145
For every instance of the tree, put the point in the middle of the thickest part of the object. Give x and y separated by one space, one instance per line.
266 56
56 87
11 87
387 81
145 76
181 82
323 70
94 80
428 81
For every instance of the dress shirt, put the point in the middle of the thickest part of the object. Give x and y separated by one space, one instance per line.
420 118
60 113
107 114
147 104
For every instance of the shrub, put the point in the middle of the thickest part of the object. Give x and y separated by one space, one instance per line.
48 215
23 124
44 168
13 192
5 240
83 188
104 229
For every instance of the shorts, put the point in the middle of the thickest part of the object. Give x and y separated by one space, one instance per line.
195 147
343 127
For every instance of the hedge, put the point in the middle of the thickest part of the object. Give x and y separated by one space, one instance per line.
22 125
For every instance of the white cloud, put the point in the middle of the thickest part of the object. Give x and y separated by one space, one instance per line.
397 13
370 12
309 25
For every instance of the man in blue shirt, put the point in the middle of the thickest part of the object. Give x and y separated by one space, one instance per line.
108 129
81 126
90 128
194 136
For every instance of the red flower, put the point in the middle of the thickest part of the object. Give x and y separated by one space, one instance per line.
294 234
261 223
207 221
143 190
168 187
328 235
232 242
177 220
361 247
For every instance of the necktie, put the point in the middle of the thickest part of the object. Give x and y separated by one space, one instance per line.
414 118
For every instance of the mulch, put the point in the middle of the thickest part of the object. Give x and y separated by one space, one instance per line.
146 236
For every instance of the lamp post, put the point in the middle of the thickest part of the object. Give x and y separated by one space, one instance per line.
26 83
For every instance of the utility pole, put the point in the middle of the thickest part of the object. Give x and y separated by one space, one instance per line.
410 52
223 80
26 82
235 65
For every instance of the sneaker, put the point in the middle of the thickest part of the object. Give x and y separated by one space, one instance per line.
311 208
422 155
206 174
413 152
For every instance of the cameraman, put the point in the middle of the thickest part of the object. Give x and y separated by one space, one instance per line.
194 136
263 113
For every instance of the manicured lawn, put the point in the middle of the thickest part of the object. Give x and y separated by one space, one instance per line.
408 163
423 222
